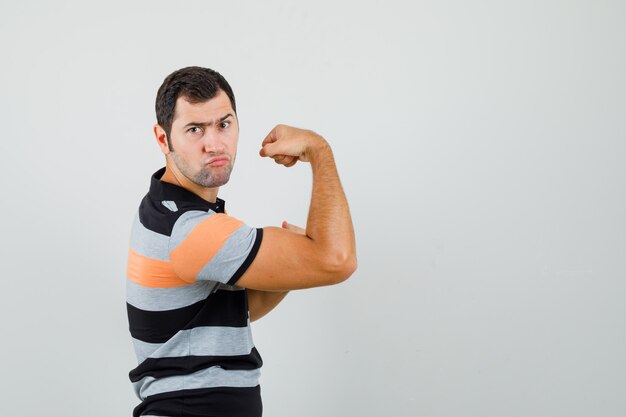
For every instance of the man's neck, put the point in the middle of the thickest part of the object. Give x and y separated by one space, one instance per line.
177 178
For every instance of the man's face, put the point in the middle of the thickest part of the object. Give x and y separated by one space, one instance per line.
204 140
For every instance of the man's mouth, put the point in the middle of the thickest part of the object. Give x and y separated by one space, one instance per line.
218 161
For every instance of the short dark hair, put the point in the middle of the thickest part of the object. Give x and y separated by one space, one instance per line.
196 84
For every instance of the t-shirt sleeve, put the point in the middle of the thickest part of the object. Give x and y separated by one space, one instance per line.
212 246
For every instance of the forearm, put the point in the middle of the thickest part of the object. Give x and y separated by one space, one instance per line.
326 255
329 223
262 302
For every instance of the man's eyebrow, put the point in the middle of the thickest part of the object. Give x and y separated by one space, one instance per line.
221 119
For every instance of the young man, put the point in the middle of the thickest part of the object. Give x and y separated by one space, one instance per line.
197 276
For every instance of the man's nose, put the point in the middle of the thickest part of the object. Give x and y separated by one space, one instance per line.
213 142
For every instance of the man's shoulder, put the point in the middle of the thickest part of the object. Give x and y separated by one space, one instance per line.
162 215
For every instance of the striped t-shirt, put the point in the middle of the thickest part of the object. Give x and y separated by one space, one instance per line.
189 325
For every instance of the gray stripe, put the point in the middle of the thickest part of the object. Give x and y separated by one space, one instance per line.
206 378
148 243
199 341
185 224
161 299
230 256
144 349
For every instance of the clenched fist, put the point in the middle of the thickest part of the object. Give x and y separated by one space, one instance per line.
287 145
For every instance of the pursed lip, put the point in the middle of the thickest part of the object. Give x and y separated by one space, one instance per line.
217 158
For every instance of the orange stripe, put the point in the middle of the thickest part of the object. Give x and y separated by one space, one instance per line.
202 243
152 272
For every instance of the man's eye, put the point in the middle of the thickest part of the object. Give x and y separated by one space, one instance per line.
225 124
194 129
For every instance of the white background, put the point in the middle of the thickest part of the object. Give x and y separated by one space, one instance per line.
481 145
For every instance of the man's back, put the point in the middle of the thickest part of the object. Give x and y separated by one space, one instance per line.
191 335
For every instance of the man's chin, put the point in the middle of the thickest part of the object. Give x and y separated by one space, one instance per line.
213 181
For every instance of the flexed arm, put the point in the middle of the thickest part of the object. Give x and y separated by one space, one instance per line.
326 254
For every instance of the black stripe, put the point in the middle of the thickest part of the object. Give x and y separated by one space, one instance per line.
184 365
222 308
156 217
206 402
244 266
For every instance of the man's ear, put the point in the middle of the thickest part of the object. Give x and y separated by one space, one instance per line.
161 138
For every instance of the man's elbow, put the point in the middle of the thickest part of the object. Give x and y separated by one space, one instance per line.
350 266
342 267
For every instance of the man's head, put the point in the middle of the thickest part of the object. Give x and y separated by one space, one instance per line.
196 84
197 123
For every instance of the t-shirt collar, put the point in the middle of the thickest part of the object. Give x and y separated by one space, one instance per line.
163 191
